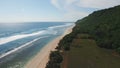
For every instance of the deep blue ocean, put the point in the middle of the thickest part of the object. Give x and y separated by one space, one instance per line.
19 42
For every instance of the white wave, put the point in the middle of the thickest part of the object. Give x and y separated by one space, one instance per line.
68 24
20 36
50 30
20 47
16 37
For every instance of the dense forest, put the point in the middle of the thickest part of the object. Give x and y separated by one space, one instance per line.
103 26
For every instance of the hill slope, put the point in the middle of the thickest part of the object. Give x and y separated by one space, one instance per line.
103 26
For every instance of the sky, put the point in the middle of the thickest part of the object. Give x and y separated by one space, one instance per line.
50 10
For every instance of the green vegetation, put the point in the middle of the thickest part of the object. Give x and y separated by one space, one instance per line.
85 53
64 44
55 60
101 28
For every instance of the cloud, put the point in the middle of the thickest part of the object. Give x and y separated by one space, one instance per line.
74 15
68 10
55 3
68 7
100 4
63 4
69 2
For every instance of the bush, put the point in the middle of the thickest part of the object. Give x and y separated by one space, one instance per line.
55 60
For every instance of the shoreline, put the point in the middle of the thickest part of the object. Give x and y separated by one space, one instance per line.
41 59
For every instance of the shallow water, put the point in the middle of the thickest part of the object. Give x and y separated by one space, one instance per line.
26 41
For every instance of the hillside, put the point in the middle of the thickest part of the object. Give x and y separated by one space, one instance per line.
94 42
103 26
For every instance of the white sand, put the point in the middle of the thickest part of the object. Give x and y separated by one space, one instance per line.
41 59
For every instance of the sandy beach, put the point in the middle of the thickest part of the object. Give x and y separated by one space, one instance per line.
41 59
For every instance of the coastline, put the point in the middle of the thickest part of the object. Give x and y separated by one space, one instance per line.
41 59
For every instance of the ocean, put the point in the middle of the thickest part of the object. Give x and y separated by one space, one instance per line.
20 42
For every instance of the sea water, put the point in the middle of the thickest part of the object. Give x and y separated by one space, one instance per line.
19 42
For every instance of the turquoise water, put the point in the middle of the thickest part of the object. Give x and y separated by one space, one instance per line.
20 42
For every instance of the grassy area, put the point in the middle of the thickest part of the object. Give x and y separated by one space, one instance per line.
84 53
